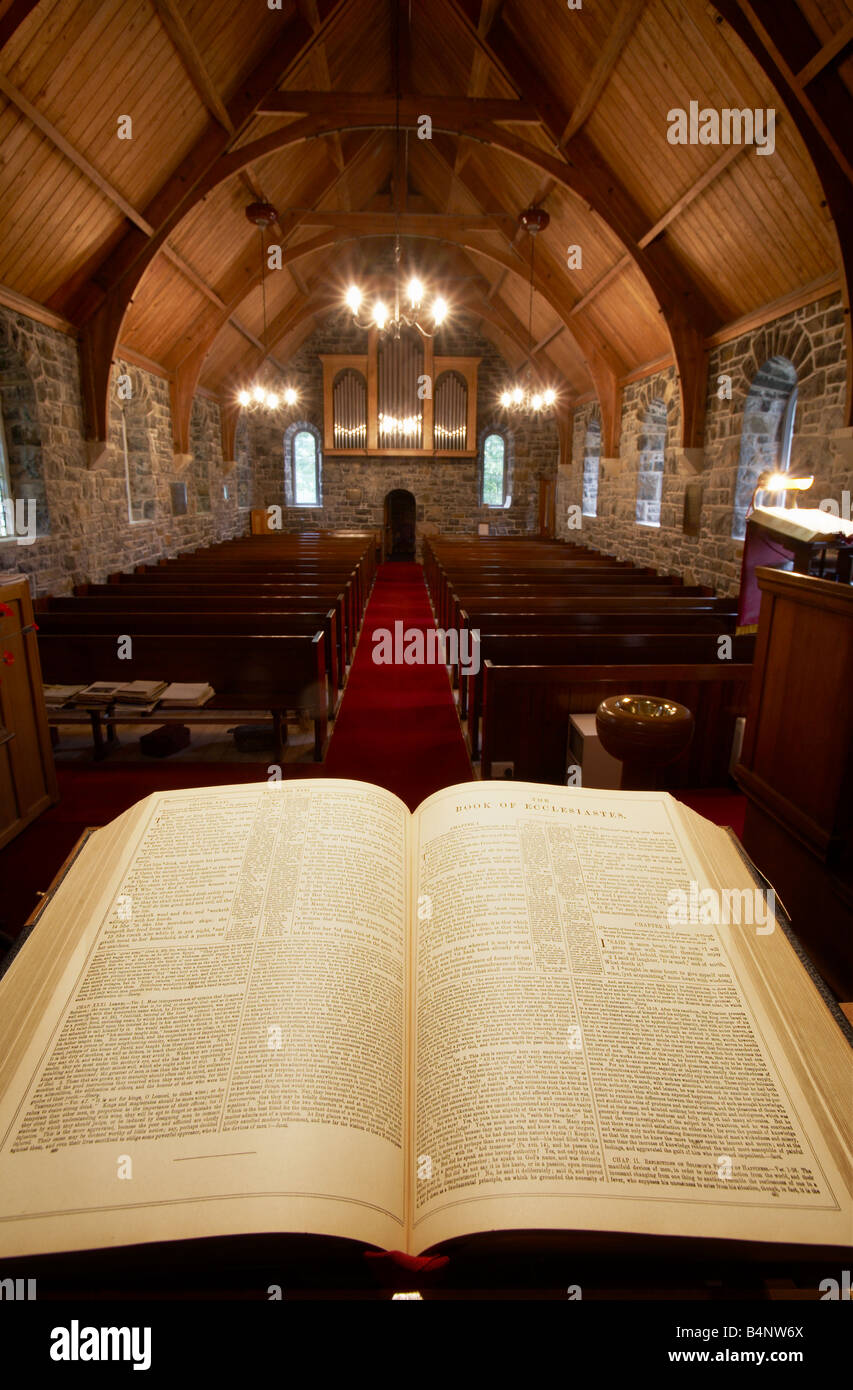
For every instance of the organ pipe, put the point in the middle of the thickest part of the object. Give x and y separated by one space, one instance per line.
349 406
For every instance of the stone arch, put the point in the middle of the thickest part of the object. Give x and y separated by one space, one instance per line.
765 420
657 415
591 461
508 435
22 427
290 434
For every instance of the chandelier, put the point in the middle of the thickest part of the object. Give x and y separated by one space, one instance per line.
410 309
413 306
524 396
258 396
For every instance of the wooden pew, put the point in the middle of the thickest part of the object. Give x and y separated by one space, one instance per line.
247 672
177 614
298 584
494 596
256 596
526 713
632 647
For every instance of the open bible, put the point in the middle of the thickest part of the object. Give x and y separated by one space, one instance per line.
296 1007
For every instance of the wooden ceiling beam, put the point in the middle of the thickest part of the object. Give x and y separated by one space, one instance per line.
184 45
609 55
830 53
127 262
549 337
204 332
687 314
496 286
412 223
603 365
311 14
680 205
124 266
77 159
782 29
489 11
376 109
401 28
14 16
834 179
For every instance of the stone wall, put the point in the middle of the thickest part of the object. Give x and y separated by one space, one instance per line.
84 526
446 492
84 530
812 340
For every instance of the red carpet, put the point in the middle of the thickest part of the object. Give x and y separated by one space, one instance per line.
398 725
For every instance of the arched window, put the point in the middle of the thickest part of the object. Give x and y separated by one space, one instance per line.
591 461
493 489
651 445
768 429
303 479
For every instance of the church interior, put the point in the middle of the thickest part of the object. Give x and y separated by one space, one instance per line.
429 394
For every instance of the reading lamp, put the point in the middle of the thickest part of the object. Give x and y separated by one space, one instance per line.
770 481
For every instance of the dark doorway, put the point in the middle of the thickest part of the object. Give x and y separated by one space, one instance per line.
399 525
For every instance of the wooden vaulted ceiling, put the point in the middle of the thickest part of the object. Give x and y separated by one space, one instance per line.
142 245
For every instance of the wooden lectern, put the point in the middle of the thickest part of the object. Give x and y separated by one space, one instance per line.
796 765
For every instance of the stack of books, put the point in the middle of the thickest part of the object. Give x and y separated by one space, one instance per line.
127 697
138 697
191 696
98 695
55 696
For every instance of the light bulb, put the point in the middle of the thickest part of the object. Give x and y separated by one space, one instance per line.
550 396
439 310
291 396
536 402
380 314
272 400
243 397
517 396
506 399
259 394
415 292
353 298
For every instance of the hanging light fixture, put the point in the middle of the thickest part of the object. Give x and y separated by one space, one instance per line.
523 396
258 396
414 306
410 309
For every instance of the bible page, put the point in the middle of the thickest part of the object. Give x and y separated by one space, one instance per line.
582 1058
224 1051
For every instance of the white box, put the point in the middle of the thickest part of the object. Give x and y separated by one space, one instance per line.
598 768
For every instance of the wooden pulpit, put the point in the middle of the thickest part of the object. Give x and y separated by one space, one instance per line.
796 765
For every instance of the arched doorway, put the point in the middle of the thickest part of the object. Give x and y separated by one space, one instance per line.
399 525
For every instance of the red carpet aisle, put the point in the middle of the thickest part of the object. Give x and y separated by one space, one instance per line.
398 725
